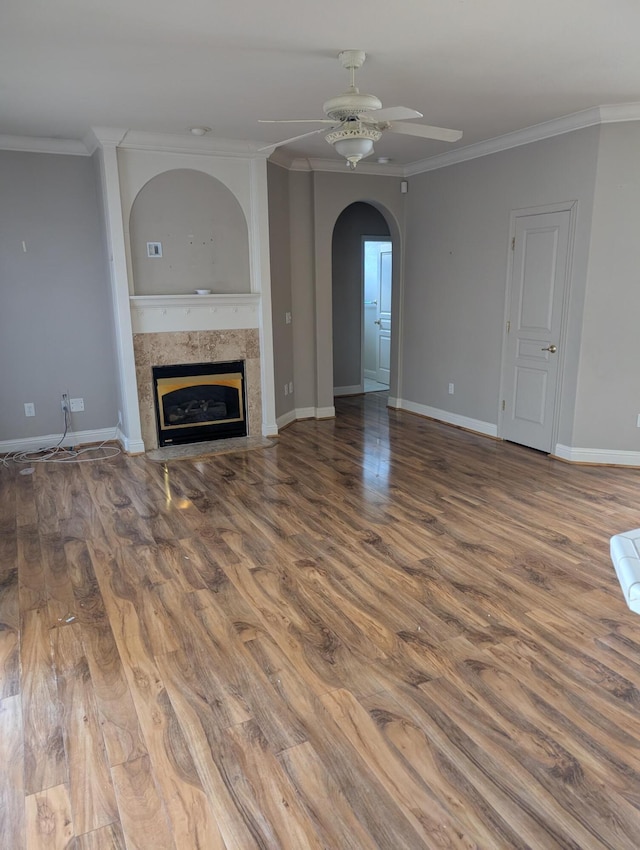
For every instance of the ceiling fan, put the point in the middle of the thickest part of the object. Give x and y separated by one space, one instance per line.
358 120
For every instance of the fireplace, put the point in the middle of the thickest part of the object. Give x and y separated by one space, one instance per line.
199 401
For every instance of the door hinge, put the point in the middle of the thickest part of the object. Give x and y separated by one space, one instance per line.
508 327
513 243
504 405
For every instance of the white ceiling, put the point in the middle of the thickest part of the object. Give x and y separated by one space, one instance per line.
487 67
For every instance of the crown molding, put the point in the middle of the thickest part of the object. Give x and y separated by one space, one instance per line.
339 166
178 143
37 144
280 157
607 114
619 112
209 145
100 136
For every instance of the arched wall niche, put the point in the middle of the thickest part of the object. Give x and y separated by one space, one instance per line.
203 232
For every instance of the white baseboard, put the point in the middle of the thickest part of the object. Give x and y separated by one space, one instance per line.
270 429
607 457
326 412
286 419
477 425
132 447
356 389
73 438
305 413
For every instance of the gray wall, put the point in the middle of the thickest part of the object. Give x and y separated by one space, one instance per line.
303 288
280 253
203 231
332 193
357 221
55 322
457 242
608 399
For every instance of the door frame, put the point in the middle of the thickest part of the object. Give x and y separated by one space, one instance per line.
364 239
572 208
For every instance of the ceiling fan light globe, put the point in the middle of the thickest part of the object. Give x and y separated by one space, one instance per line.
353 150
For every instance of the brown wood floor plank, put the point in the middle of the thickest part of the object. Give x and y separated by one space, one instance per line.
12 797
44 762
49 821
142 813
169 763
9 630
90 790
107 838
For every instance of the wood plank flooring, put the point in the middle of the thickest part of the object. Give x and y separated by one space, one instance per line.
380 634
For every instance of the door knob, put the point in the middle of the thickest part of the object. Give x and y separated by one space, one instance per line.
377 322
550 348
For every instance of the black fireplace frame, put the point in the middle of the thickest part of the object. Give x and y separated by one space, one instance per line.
196 433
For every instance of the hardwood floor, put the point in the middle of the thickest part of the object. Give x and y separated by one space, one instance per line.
381 634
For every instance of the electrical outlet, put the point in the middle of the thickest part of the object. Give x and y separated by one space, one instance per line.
287 318
290 387
29 409
64 402
286 389
76 405
450 389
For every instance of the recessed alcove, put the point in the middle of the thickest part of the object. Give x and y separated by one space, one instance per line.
201 229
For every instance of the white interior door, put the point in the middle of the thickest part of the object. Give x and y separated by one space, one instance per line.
384 317
376 355
536 299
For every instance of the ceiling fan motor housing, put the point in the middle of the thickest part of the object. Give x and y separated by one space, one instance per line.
350 105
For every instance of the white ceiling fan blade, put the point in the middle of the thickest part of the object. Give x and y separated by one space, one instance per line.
425 131
293 139
295 121
391 113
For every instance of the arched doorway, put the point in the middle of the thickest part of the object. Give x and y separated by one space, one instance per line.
361 300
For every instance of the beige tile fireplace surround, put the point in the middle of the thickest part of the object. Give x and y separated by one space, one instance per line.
208 346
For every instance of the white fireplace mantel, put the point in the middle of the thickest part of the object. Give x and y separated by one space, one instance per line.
216 312
124 170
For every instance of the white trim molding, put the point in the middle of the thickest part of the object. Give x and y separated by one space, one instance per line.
72 439
607 114
132 447
38 144
164 313
325 412
286 419
301 413
601 457
476 425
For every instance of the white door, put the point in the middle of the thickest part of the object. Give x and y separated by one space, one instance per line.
383 321
376 355
536 298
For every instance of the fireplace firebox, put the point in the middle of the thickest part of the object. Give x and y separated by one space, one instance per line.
195 402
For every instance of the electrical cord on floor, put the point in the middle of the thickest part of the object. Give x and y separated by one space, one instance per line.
59 454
